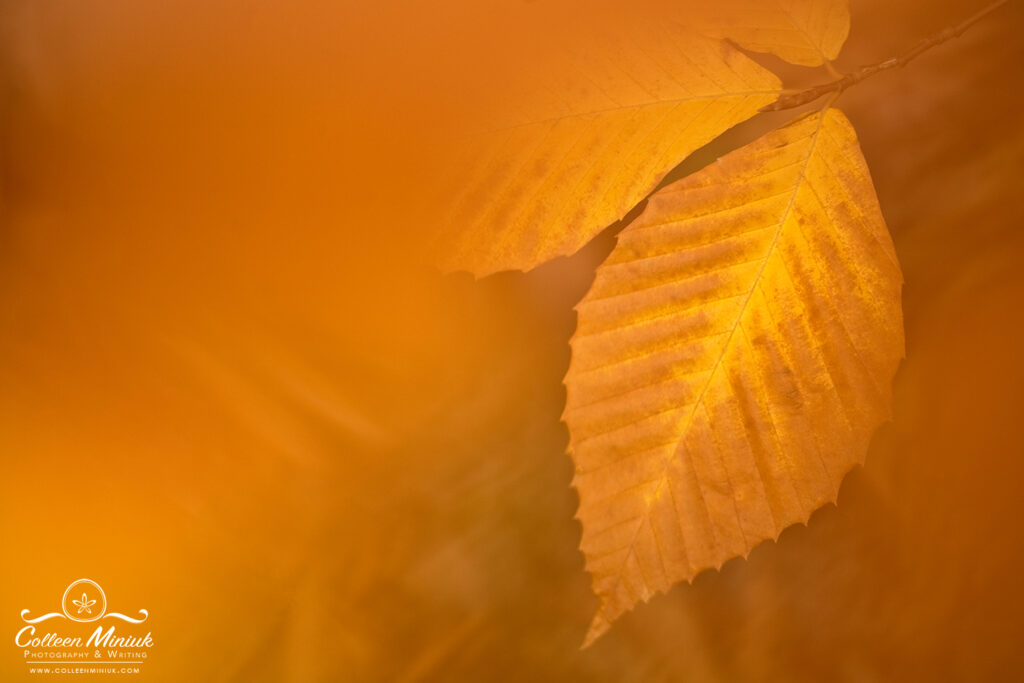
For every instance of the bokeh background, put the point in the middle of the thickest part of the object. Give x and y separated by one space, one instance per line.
232 392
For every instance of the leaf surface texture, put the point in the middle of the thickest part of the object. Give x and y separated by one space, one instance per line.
806 32
732 360
590 136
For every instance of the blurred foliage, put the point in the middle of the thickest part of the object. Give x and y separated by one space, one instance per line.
312 459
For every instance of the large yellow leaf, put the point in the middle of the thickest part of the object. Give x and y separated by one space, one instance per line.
807 32
572 148
732 360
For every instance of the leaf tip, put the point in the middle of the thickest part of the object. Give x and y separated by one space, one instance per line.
598 627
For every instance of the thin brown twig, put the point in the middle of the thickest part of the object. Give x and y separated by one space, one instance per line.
809 95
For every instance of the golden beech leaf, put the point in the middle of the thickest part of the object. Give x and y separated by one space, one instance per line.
592 135
732 360
807 32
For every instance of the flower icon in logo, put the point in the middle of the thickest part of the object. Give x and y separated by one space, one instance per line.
86 609
84 604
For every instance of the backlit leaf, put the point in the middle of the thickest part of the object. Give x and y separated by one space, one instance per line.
732 360
806 32
586 139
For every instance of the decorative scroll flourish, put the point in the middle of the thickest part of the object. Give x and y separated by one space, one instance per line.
122 617
51 615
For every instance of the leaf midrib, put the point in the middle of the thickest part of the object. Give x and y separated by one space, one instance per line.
663 477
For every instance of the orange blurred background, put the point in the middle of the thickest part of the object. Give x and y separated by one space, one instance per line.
232 393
